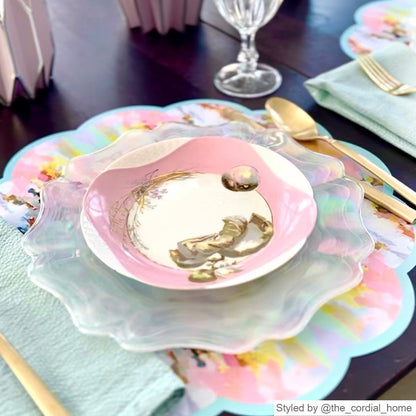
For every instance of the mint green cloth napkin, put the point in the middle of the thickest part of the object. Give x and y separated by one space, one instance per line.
349 92
91 375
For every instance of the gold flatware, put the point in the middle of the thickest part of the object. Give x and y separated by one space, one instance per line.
383 79
301 126
47 403
391 204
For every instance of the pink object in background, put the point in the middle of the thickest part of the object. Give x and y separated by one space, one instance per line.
26 48
161 15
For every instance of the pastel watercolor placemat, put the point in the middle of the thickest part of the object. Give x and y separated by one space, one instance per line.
378 24
308 366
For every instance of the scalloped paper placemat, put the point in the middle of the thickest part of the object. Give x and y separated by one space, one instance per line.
308 366
379 23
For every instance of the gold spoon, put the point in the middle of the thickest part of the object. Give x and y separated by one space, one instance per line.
301 126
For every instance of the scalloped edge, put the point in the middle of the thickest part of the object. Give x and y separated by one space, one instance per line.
358 22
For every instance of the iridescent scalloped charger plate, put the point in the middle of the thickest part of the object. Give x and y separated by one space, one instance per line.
141 317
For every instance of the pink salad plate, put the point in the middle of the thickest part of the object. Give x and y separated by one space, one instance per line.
201 213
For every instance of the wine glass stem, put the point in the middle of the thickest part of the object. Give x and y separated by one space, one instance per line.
248 55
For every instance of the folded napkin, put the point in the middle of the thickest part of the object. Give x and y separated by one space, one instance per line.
349 92
90 375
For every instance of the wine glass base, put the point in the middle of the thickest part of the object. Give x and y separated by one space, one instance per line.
231 81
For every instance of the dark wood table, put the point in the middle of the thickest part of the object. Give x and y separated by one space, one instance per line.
100 64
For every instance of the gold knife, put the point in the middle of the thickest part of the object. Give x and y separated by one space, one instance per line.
47 403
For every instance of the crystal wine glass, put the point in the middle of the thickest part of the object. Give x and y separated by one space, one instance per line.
247 78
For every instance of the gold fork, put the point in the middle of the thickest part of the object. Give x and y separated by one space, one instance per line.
382 78
47 403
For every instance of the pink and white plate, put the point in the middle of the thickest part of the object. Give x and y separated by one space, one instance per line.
163 215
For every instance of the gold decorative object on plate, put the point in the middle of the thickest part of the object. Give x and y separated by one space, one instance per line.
238 238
